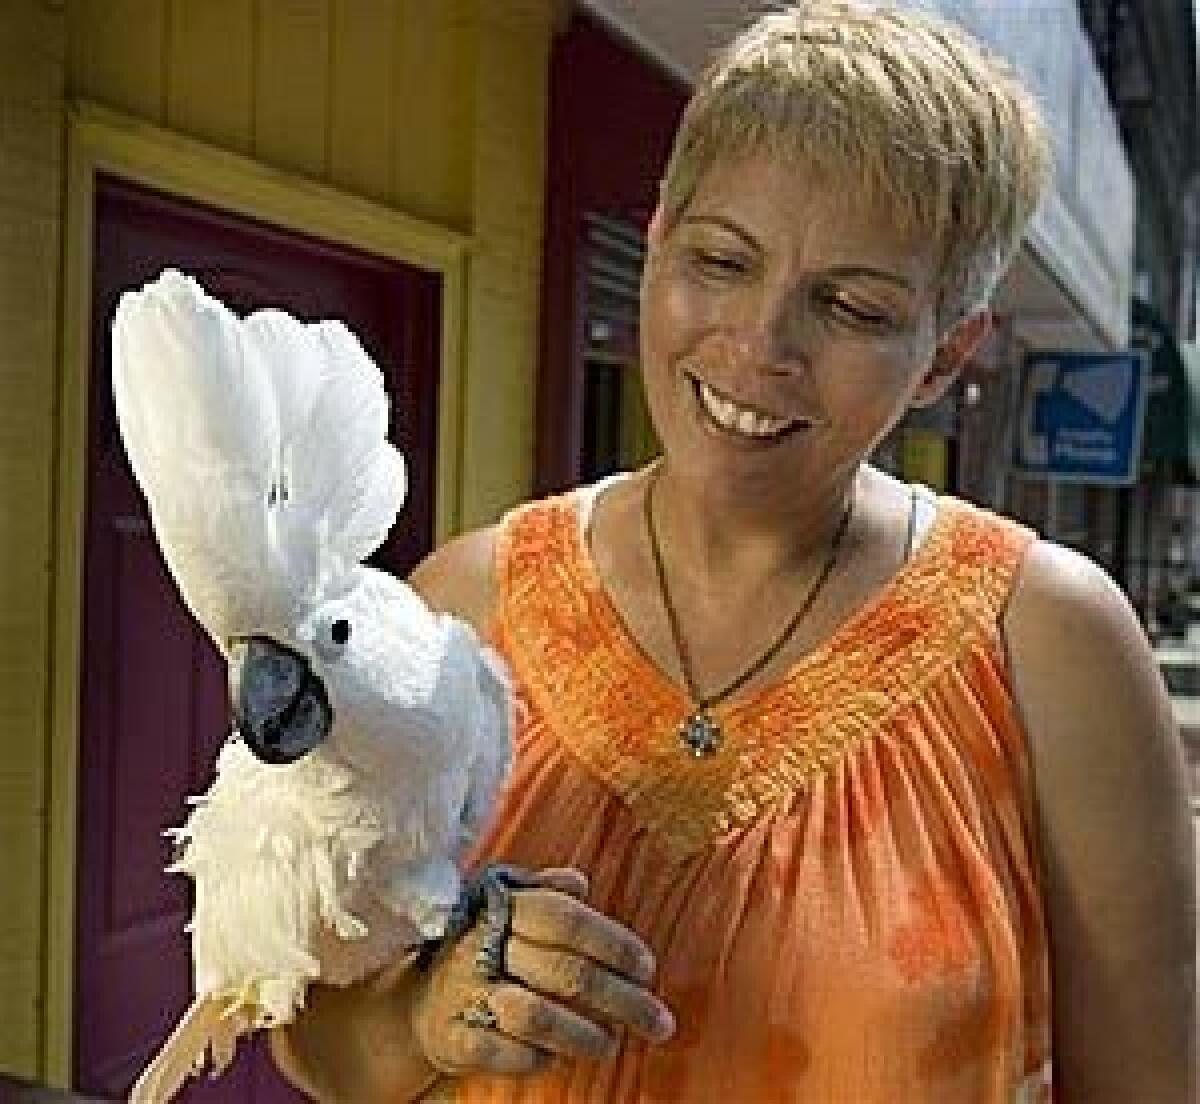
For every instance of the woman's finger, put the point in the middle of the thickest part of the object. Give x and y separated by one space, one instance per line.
465 1048
543 916
589 987
564 879
547 1025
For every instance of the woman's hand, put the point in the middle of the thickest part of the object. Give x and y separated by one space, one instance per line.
576 980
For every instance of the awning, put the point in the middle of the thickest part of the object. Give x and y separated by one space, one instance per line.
1171 441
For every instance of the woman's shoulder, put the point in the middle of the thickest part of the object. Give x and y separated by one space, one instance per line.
1068 626
1111 796
1087 684
1060 593
459 577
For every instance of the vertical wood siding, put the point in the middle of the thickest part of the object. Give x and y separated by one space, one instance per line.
364 37
373 96
434 107
291 85
208 95
32 48
510 170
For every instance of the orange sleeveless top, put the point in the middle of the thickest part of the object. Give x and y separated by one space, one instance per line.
844 899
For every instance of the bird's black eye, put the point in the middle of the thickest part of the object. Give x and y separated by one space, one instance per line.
340 631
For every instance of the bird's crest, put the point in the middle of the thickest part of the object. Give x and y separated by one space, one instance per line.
260 445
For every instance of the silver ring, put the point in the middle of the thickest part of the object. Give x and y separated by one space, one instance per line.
479 1014
491 958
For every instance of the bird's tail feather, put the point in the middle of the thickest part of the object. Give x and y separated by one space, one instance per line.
206 1029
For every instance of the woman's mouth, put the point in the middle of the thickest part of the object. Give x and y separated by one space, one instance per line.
731 417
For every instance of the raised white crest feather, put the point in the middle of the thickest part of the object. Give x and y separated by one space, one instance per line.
220 417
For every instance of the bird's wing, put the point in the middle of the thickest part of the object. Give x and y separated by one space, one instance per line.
489 708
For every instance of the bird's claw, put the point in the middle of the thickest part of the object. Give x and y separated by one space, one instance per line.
485 899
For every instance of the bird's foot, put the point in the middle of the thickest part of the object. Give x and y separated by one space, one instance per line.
486 899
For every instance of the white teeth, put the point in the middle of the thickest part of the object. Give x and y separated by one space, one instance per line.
738 419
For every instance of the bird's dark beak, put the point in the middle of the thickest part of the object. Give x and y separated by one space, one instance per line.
280 707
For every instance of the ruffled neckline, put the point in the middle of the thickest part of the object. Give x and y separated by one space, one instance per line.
847 633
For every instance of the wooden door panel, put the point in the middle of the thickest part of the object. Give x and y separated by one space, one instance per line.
154 709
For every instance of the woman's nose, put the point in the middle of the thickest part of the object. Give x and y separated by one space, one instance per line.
773 342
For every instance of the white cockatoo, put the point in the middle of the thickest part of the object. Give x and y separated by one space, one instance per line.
370 735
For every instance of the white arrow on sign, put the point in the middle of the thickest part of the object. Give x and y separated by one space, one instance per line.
1103 389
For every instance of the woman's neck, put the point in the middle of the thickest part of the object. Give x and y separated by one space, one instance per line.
724 544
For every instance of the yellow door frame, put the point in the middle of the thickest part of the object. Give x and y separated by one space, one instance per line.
100 140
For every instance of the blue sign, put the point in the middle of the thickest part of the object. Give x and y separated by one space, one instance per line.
1081 416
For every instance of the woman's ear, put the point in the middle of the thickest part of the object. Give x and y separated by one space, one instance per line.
951 356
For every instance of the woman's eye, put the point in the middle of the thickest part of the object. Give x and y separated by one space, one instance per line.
719 264
865 317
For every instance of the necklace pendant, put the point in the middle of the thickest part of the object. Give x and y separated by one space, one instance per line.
700 734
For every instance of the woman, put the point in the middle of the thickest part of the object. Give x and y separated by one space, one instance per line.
840 792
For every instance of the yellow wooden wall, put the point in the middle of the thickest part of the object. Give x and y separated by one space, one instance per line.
435 108
32 66
373 96
509 170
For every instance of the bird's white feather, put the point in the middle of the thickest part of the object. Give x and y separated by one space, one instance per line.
333 450
203 1033
200 426
494 706
261 446
279 855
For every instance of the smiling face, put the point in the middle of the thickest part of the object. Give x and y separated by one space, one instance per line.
783 331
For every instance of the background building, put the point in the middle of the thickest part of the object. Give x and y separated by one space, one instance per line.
1147 54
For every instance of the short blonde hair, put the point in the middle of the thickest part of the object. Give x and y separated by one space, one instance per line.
938 132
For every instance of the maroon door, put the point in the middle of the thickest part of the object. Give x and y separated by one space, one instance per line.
595 164
153 709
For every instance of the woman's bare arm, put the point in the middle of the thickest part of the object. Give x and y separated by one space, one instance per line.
1116 837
